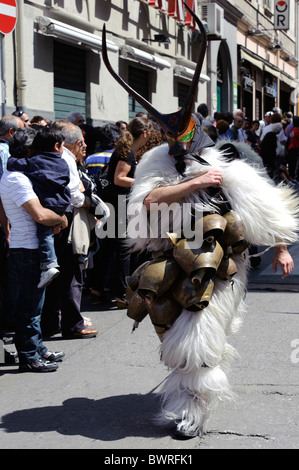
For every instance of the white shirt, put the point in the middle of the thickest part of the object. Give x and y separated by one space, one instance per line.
15 190
77 197
242 135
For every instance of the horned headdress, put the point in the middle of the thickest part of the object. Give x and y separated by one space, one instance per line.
181 126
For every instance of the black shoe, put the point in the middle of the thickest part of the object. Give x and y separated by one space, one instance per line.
53 356
40 365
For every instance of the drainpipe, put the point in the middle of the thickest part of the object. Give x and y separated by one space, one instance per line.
20 52
3 81
296 107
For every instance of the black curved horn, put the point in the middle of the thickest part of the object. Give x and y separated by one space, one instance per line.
173 123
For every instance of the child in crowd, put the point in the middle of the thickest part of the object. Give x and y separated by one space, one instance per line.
49 175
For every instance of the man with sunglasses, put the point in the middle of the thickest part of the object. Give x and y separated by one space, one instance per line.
8 126
22 115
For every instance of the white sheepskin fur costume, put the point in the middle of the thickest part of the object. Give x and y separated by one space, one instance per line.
195 348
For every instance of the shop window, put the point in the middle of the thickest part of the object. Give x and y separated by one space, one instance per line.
139 81
69 81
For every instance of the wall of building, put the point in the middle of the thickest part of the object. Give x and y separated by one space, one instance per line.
128 24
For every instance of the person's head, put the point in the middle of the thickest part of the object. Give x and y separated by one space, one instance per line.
22 115
228 116
296 121
135 136
218 115
38 121
255 125
222 126
122 125
275 117
238 121
107 137
75 117
9 125
268 116
239 112
74 141
20 144
246 123
139 126
211 131
48 140
203 109
141 114
289 117
155 138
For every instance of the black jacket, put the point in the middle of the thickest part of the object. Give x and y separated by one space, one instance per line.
50 176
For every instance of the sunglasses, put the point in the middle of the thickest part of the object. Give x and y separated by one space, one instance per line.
20 113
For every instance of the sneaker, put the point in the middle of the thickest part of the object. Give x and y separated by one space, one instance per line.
47 277
40 365
53 356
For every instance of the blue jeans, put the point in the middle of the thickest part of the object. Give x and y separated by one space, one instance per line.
24 275
47 253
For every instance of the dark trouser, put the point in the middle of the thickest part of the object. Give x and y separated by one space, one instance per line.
111 247
65 292
24 274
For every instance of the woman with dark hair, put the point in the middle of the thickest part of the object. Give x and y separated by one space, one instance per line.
121 172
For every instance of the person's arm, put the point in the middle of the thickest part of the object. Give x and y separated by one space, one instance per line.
120 175
75 184
283 259
175 193
43 215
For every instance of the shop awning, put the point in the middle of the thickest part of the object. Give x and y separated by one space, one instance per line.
258 63
57 29
186 72
272 71
138 55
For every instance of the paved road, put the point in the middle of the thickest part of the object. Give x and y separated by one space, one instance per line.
103 395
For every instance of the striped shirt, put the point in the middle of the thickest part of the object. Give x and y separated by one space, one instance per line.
15 190
97 161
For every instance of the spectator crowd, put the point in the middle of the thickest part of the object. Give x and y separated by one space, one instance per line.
55 180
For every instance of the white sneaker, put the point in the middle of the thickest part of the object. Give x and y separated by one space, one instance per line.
47 277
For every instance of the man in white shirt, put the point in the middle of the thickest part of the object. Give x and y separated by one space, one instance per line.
23 210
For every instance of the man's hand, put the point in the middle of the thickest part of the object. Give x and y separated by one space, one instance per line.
176 192
57 228
283 259
210 178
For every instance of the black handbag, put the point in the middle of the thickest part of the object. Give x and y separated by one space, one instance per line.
103 184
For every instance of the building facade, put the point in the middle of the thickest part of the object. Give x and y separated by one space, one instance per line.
51 63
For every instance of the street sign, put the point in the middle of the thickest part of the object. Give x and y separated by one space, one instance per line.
281 14
8 15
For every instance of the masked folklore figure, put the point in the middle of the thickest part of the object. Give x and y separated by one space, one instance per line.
199 211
